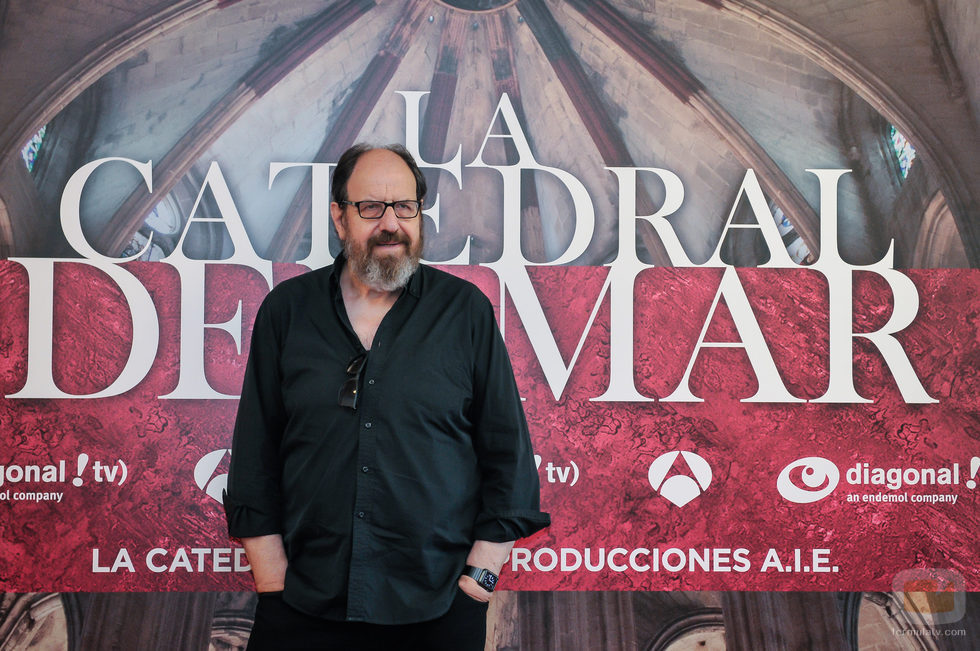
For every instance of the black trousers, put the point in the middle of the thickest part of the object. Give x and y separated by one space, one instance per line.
278 626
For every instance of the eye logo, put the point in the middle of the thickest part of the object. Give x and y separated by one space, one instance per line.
205 474
683 487
808 480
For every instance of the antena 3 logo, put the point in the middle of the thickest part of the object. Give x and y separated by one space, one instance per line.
688 479
207 477
807 480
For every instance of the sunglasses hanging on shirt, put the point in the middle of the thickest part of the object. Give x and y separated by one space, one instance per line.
350 390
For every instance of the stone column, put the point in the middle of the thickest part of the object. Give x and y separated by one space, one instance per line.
557 621
148 621
780 621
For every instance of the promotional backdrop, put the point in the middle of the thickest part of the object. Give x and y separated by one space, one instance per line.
729 257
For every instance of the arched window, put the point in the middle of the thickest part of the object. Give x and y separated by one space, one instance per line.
904 151
700 628
34 621
31 149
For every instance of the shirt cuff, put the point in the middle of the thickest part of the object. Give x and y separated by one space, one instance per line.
248 521
506 526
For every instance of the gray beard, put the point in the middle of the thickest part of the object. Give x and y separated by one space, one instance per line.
385 274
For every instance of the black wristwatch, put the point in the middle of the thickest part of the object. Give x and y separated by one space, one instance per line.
486 578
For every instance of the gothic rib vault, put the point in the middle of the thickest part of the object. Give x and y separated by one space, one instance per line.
705 89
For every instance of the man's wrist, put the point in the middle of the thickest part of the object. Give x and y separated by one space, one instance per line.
483 577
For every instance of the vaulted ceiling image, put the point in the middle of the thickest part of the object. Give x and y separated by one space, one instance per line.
706 89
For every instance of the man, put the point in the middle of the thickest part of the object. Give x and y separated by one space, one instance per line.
381 466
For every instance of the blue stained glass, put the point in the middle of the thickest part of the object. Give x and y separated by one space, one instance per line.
30 150
904 151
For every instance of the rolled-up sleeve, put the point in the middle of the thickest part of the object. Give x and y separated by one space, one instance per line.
510 507
252 500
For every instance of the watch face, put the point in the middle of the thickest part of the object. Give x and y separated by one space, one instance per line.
489 581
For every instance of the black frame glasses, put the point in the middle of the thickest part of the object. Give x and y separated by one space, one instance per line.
370 209
350 389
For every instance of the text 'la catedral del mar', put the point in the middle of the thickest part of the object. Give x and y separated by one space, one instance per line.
511 268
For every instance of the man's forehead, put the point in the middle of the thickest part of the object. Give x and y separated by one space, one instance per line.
378 163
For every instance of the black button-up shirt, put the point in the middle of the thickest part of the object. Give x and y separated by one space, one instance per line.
379 506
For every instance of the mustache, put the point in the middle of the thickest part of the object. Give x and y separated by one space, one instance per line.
386 237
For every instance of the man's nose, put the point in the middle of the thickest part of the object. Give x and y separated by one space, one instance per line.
388 220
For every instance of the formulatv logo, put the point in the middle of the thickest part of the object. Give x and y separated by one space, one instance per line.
807 480
934 595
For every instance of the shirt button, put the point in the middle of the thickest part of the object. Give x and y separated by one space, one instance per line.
365 469
370 381
360 514
367 425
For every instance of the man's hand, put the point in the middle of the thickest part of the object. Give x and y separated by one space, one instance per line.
267 556
488 555
473 589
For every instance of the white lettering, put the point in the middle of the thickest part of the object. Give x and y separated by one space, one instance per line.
771 387
122 562
192 382
635 562
319 255
413 101
571 559
551 563
613 565
151 560
584 211
71 201
765 223
40 340
905 300
520 559
628 218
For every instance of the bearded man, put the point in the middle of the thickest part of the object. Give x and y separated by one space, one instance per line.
381 466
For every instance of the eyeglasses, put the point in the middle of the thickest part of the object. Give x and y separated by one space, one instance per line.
347 396
405 209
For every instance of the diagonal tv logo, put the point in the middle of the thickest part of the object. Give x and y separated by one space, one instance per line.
688 482
807 480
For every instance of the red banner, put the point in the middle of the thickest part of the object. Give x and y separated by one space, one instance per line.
737 452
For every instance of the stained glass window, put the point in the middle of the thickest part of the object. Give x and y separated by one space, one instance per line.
30 150
904 151
798 251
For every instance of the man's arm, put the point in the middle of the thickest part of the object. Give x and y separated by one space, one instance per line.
489 556
267 556
508 475
252 500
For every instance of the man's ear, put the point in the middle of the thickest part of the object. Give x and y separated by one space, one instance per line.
337 216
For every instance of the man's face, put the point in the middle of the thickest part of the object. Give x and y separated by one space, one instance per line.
382 253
